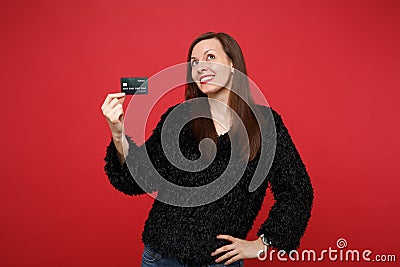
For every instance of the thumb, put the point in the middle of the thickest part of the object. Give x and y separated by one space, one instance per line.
121 99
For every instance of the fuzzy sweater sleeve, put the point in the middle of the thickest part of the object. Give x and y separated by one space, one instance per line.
136 165
293 194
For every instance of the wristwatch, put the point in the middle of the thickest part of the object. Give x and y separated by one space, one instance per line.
266 241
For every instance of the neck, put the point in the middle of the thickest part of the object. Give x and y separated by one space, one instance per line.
219 111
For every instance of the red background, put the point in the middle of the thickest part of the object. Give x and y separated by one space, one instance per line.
331 68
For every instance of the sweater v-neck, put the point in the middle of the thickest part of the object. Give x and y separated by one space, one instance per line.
222 134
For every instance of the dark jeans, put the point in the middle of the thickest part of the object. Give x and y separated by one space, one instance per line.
150 258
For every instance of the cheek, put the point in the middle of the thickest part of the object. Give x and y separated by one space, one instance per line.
220 68
222 72
194 76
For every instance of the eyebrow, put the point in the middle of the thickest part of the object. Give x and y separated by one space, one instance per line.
203 53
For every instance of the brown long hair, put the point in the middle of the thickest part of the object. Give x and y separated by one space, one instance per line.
204 127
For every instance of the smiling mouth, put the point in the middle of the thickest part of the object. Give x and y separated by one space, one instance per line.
206 79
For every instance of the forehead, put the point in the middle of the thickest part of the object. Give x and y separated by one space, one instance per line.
204 45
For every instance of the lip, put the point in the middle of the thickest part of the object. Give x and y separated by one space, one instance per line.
208 75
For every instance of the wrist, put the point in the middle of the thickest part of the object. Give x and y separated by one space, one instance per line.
260 244
117 137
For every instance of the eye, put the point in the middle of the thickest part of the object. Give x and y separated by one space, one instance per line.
210 56
194 62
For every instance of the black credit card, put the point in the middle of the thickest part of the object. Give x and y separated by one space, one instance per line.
134 86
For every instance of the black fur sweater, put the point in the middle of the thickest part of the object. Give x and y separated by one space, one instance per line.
189 233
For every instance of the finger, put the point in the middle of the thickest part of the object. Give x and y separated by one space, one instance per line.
111 106
227 255
113 103
115 113
223 249
115 95
107 105
233 259
227 237
110 97
111 112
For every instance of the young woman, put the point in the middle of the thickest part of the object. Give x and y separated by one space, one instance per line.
215 233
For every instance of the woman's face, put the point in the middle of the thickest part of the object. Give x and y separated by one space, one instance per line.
211 67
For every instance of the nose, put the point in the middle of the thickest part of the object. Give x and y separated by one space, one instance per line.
202 66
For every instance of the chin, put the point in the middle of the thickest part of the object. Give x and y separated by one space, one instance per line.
209 88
